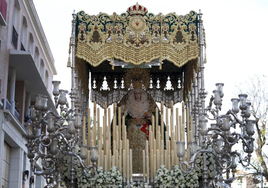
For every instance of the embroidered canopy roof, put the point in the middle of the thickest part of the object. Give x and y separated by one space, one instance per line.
137 38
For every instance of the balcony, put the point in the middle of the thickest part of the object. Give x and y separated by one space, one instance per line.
27 71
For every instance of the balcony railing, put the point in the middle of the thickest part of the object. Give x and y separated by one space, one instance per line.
7 106
15 38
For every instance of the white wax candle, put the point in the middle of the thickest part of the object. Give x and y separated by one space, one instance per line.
130 162
127 168
147 167
143 163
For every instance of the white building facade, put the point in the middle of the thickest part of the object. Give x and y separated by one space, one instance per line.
26 69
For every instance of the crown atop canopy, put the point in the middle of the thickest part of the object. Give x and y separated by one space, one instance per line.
137 9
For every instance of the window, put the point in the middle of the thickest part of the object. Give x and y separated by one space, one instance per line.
31 44
36 57
16 15
6 166
23 34
42 69
46 79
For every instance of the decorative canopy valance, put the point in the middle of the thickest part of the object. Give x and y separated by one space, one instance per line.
137 37
167 45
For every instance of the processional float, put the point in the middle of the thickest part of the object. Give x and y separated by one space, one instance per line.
164 56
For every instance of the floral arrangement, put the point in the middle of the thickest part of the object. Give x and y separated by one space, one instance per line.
210 166
113 179
175 178
163 177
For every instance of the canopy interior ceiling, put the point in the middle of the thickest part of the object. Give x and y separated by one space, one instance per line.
166 45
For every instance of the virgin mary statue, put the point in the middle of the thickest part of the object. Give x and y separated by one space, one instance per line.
138 108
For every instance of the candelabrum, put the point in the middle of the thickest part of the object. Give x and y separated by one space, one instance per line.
218 139
52 136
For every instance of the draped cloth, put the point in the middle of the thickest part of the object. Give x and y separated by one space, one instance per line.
138 130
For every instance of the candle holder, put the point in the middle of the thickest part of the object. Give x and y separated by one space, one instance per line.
219 139
61 139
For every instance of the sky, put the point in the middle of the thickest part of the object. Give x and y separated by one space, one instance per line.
236 34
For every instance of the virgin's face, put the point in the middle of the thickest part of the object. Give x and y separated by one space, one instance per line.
137 95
